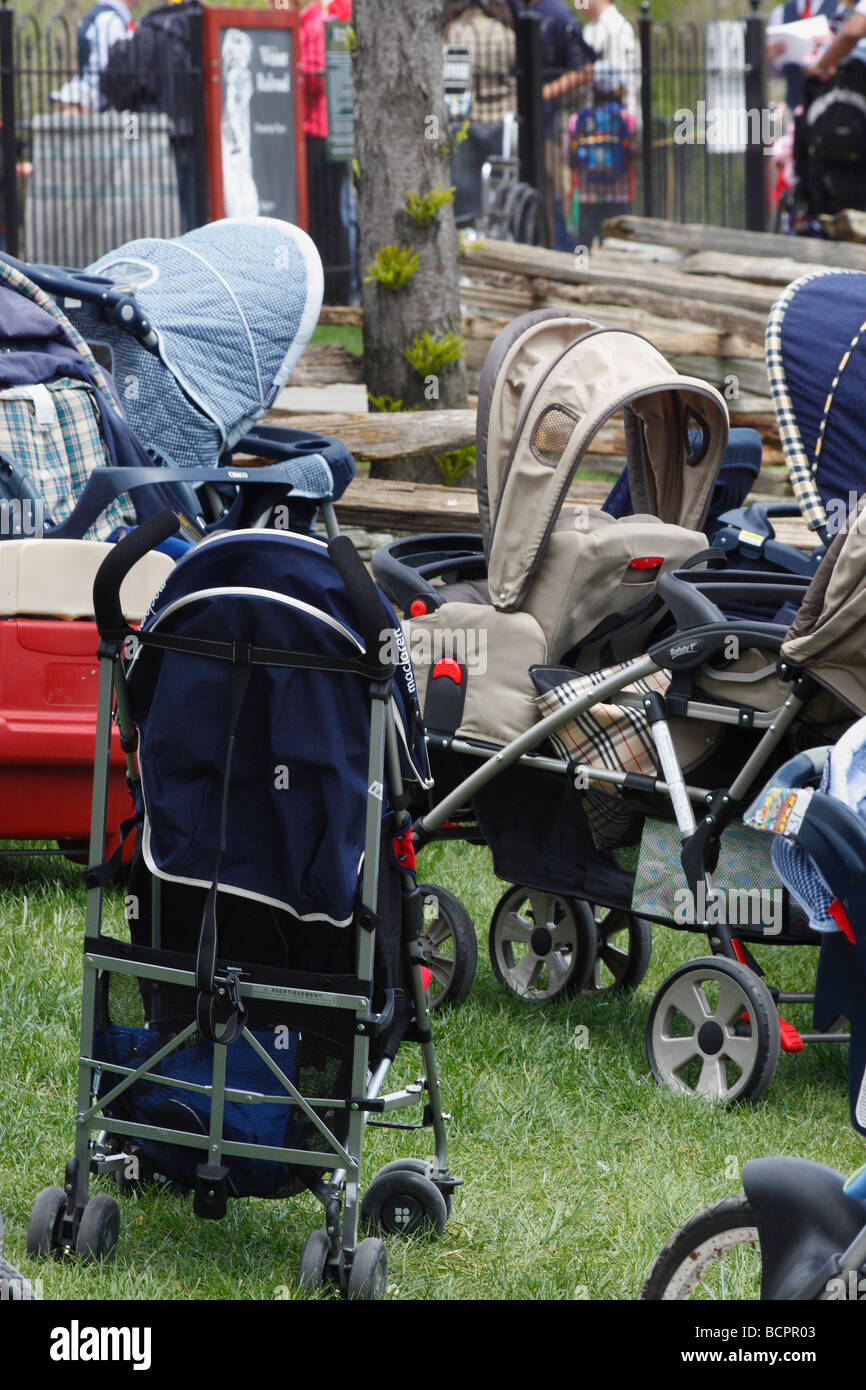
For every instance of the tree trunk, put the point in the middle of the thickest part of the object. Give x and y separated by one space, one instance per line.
401 138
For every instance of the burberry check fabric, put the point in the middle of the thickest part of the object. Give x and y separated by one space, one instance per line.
609 736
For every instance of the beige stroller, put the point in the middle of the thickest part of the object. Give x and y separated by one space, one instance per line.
596 718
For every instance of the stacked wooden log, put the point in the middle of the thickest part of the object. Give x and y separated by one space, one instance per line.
700 294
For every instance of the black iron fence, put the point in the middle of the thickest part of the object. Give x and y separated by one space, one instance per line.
671 121
91 161
679 111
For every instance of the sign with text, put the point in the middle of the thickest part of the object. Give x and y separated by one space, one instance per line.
254 114
339 91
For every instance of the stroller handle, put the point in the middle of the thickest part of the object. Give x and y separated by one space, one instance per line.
110 622
373 621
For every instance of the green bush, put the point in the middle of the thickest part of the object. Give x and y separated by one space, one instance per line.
422 210
392 267
429 356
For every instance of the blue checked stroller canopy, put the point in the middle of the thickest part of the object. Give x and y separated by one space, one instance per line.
816 358
232 305
296 795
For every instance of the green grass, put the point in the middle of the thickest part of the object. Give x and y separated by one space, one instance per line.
346 335
576 1167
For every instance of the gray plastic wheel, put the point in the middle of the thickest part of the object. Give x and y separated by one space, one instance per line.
624 950
715 1254
713 1032
98 1230
448 946
542 945
369 1273
43 1230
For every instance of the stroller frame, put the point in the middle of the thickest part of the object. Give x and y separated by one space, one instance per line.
701 813
97 1149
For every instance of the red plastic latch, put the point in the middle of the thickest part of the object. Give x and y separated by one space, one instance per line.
646 562
426 978
738 951
840 917
789 1037
404 850
450 668
417 608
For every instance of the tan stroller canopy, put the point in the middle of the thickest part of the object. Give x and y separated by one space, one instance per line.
551 381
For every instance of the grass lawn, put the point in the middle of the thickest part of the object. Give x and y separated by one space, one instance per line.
576 1166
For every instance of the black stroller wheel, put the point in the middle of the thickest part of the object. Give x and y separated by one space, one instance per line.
448 946
98 1230
403 1202
542 945
369 1273
46 1220
313 1261
414 1165
713 1032
624 949
715 1254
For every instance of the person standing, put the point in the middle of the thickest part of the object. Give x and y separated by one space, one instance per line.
789 13
152 70
567 62
106 23
332 214
849 37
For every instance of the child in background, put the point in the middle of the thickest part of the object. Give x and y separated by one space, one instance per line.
602 138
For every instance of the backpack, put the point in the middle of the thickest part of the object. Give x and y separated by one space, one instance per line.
600 142
836 125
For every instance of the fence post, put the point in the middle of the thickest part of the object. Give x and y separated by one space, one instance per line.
8 141
200 152
645 29
530 104
756 101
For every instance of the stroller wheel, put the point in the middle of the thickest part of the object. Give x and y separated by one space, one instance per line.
98 1229
448 945
713 1032
46 1221
313 1261
414 1165
542 945
369 1271
715 1254
624 949
403 1202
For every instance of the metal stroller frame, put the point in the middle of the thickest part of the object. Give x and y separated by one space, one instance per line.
69 1219
701 813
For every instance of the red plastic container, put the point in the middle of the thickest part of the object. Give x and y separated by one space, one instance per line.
48 681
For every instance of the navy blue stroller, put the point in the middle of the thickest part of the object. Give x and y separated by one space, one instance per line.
816 359
274 905
798 1230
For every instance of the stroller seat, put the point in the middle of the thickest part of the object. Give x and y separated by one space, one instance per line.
558 582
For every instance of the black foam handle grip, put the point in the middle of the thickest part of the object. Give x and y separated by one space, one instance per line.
116 566
374 623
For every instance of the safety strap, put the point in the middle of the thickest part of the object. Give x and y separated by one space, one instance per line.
208 940
100 875
255 656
